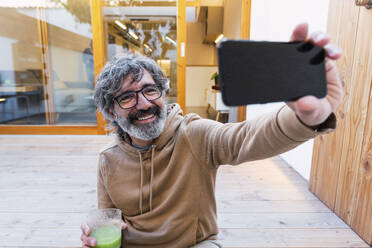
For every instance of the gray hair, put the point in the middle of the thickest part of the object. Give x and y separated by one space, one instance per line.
110 80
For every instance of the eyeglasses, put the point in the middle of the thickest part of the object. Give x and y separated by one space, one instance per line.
129 99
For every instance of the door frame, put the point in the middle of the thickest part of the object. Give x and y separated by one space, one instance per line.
245 34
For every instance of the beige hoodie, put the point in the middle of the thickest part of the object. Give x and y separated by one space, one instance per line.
166 194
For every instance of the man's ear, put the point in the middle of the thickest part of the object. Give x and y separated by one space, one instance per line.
112 114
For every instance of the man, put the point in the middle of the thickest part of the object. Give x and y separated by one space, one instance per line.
161 169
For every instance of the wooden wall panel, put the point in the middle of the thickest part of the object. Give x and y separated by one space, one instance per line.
328 148
341 168
362 195
355 121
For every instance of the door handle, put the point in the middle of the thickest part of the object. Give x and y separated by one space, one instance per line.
366 3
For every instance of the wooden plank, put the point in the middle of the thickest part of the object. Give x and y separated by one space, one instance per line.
260 177
228 237
33 181
70 178
40 183
181 60
55 200
279 220
44 237
29 150
240 184
289 238
223 206
362 196
48 161
247 220
328 148
67 174
49 180
42 220
307 206
266 195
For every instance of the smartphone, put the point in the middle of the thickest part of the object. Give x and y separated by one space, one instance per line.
253 72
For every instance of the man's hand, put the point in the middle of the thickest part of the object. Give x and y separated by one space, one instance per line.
309 109
90 241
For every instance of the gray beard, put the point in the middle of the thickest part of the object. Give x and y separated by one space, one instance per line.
147 131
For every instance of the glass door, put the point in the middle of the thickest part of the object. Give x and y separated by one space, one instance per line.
145 27
46 67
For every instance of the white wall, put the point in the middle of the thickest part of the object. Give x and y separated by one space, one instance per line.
274 20
6 61
198 80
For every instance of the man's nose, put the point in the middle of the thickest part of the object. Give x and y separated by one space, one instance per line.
143 103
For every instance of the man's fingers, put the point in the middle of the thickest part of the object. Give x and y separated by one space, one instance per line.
307 104
333 51
320 39
123 225
85 229
88 241
300 32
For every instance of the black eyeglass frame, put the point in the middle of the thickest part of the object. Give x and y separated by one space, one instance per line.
139 91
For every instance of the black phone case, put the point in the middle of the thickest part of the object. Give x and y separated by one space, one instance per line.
260 72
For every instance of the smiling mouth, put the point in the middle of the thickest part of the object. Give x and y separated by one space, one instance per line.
146 117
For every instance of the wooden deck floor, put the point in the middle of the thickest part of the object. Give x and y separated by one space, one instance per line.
48 184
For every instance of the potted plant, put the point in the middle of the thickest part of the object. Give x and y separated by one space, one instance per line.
216 78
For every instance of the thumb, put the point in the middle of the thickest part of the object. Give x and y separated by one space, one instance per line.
307 104
123 225
300 32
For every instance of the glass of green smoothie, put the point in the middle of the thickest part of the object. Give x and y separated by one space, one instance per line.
105 225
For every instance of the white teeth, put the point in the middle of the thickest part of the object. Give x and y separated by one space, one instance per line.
145 117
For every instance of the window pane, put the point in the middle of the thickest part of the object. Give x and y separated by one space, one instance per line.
21 81
46 67
71 67
145 27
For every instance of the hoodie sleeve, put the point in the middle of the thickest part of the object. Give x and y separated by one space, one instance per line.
104 200
214 143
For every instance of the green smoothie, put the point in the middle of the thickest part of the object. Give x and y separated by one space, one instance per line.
107 236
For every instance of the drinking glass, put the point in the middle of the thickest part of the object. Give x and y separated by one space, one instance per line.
105 225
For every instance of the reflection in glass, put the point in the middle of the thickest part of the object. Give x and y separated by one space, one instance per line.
21 81
138 27
71 63
46 67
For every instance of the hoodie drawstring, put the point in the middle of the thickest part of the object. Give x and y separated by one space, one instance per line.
151 178
152 174
141 183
